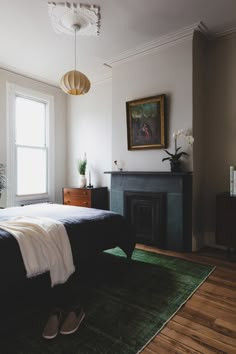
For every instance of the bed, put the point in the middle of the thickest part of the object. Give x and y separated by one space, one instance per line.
89 230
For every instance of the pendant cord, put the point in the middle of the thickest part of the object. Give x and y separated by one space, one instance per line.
75 48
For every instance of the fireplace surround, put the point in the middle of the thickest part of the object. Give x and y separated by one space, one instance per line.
158 204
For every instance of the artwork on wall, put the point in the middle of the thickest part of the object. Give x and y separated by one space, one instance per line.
146 123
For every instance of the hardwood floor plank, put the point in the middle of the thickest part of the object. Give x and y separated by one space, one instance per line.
172 346
157 349
227 325
188 340
201 304
218 325
223 280
214 335
220 292
217 299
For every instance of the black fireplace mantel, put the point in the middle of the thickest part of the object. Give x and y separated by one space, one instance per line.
178 190
147 173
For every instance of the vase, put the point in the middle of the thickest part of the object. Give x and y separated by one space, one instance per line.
175 166
82 181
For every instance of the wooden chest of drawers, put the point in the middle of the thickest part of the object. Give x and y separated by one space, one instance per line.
91 198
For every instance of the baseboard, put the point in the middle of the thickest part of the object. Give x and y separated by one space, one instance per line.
197 241
210 240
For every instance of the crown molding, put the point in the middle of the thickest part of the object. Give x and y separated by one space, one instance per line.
95 81
201 27
173 38
28 76
215 35
229 32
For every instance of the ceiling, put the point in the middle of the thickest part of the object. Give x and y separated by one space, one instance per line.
30 46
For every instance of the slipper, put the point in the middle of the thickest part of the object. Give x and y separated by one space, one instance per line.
51 328
72 322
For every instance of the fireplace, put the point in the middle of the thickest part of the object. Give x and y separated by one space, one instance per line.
158 204
146 212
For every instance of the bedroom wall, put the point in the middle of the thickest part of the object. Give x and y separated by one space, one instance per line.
101 113
60 126
97 121
220 125
167 71
200 44
89 130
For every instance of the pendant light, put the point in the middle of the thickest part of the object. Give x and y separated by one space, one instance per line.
74 82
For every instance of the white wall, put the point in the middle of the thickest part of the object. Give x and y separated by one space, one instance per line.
89 130
167 71
60 126
97 120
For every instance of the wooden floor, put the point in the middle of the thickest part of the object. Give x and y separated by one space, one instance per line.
207 322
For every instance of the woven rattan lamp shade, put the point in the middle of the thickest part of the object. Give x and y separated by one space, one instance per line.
75 83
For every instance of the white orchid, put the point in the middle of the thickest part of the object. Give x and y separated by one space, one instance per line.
177 155
190 139
178 133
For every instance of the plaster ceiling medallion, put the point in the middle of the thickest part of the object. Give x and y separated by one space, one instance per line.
65 15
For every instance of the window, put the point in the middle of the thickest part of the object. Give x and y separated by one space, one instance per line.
30 157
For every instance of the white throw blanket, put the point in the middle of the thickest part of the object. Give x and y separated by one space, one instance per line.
44 246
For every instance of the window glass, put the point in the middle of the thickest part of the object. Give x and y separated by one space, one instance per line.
31 171
30 122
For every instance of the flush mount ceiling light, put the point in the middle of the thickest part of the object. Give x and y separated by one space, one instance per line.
71 18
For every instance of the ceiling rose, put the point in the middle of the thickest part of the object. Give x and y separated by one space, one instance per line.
65 15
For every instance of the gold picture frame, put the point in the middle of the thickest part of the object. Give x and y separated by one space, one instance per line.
146 123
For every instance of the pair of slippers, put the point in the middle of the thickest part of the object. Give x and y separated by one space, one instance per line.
57 323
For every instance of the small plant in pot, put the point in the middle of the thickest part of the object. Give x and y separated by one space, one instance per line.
2 178
82 170
175 158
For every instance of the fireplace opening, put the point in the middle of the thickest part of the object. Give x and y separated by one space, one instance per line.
146 211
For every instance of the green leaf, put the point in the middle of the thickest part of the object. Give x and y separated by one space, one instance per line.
178 156
169 153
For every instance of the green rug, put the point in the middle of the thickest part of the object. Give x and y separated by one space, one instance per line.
127 303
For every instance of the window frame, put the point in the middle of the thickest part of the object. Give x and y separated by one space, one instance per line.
14 91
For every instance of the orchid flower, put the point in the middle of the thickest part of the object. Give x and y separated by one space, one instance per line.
177 155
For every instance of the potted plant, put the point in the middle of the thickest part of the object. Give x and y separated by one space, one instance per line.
82 170
175 158
2 178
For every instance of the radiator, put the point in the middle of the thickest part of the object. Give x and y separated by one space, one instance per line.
35 201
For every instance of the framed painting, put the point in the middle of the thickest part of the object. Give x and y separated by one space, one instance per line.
146 123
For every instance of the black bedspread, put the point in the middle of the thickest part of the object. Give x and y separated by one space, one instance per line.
89 230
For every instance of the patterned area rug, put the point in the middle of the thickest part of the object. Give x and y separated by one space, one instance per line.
126 304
